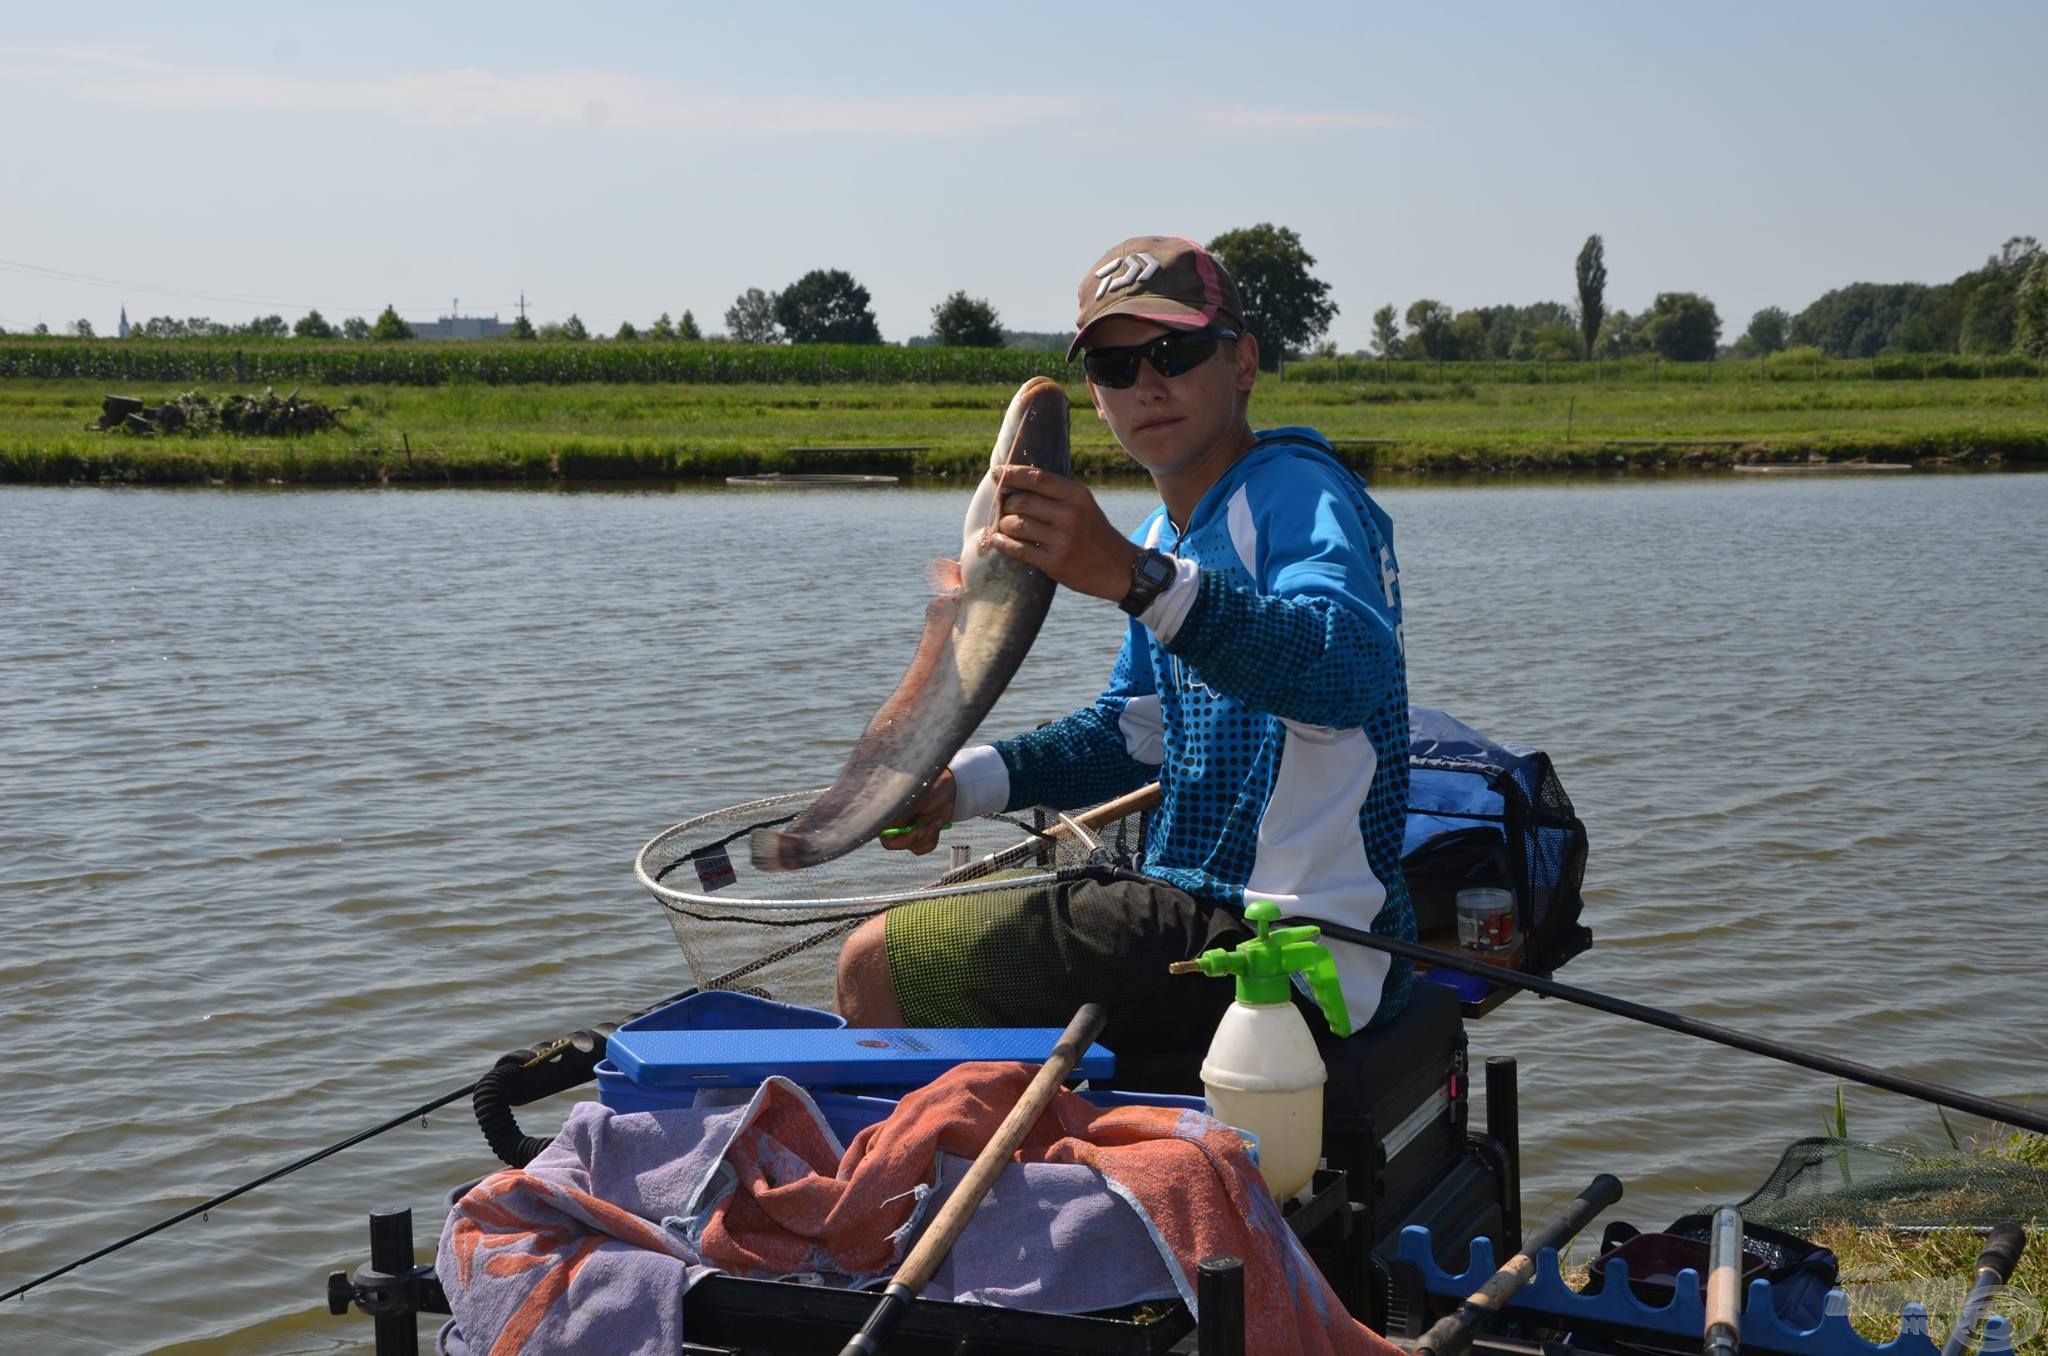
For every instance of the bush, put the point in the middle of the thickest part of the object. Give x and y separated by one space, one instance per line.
1795 362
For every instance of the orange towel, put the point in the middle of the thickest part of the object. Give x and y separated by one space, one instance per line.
1188 1175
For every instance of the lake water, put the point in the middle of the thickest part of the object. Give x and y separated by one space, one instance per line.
311 803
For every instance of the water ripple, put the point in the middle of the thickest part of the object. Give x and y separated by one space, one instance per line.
295 837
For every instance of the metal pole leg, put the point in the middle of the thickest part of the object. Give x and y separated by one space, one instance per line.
391 1253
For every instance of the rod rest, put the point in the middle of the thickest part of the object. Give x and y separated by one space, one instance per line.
1616 1306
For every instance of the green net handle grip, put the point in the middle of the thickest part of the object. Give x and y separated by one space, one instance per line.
899 830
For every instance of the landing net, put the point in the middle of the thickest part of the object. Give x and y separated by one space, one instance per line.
777 933
1841 1181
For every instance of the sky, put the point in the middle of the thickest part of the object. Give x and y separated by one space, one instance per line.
619 160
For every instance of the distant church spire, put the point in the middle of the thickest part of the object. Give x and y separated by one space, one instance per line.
124 320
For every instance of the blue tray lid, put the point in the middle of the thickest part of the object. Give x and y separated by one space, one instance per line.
877 1057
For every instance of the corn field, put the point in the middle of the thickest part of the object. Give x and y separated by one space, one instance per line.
335 363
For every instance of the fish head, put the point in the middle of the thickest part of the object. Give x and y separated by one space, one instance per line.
1034 431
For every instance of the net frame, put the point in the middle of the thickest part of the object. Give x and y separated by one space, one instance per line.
955 881
719 929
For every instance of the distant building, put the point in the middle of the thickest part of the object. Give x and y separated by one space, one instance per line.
460 327
124 321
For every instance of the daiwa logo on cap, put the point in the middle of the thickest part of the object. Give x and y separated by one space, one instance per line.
1136 269
1167 280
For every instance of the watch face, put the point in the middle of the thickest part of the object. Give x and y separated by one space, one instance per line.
1150 574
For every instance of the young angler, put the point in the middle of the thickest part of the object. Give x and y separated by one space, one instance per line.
1261 683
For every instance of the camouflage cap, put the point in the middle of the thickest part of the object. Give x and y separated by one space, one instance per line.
1166 279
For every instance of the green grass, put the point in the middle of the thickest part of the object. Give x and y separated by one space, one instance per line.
468 430
1881 1267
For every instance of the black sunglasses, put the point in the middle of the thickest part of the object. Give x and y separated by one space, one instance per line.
1170 355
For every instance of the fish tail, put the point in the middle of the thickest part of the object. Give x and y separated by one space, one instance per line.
774 850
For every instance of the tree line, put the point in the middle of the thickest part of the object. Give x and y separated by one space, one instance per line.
1999 308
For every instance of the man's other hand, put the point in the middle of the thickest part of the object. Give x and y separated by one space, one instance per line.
926 818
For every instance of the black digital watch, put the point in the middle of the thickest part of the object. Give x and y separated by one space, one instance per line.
1151 572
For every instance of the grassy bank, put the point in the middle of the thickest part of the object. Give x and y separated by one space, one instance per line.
471 431
1880 1268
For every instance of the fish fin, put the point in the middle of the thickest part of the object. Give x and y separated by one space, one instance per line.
944 577
774 850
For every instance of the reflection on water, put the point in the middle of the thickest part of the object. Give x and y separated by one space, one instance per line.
315 802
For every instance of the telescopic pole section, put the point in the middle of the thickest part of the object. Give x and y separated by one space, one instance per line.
1994 1267
1990 1108
1723 1336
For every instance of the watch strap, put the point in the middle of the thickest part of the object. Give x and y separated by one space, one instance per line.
1151 573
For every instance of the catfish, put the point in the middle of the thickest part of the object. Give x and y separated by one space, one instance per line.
977 631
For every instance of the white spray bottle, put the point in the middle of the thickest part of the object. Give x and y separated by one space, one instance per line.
1263 1072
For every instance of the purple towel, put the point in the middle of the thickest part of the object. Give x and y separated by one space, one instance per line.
590 1247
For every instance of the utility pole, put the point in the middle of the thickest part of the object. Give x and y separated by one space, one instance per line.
522 303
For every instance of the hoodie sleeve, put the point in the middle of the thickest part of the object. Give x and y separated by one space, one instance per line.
1098 752
1319 640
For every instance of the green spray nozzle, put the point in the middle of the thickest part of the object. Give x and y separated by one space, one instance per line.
1262 966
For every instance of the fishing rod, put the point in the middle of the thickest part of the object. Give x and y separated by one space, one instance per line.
1454 1332
539 1056
1954 1099
416 1113
938 1237
1991 1108
1132 804
1994 1268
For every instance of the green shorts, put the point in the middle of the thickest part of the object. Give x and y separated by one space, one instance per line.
1031 957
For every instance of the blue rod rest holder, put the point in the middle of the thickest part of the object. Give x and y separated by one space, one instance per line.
1684 1317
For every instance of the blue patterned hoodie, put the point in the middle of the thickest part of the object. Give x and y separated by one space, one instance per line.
1266 690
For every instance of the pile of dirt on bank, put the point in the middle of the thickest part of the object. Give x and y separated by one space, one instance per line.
265 415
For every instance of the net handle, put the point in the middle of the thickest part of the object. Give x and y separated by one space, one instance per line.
1134 802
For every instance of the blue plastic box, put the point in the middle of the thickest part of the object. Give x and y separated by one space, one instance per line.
848 1112
724 1039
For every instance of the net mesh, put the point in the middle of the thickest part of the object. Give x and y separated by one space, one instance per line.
1840 1181
777 933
